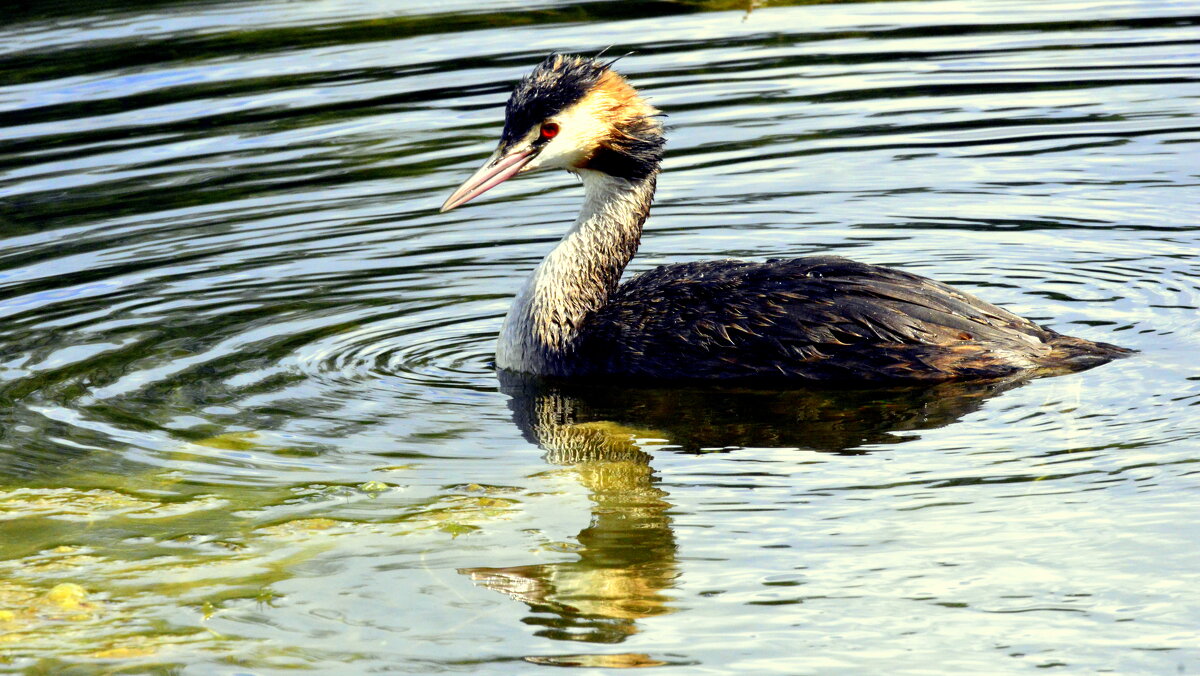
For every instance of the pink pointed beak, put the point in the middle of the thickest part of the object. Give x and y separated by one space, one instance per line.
497 169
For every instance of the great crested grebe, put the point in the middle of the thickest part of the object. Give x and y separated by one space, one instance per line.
822 318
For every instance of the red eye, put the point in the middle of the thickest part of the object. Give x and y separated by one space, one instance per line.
549 130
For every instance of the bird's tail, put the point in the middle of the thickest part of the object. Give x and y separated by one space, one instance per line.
1070 354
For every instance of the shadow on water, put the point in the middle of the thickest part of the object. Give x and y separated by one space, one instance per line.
627 556
697 419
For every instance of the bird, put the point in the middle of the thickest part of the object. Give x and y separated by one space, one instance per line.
814 319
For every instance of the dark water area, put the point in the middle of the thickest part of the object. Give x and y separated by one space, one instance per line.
249 422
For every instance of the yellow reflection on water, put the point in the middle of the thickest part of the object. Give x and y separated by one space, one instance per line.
626 556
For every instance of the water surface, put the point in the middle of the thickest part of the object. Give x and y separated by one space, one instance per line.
249 421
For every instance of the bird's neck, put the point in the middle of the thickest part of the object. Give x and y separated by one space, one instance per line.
575 280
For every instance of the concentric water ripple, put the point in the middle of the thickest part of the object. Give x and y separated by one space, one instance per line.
454 353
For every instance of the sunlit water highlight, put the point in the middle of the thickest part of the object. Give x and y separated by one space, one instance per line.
248 417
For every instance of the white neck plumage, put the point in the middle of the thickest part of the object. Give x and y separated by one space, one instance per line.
577 277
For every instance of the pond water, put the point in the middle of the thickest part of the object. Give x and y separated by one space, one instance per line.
249 422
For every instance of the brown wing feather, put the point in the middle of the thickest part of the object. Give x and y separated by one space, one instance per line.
820 318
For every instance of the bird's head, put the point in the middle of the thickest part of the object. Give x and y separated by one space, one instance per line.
572 113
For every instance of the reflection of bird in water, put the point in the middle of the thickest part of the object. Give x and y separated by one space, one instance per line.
627 556
580 421
821 318
626 559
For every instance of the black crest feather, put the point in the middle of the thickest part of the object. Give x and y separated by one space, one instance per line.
558 82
